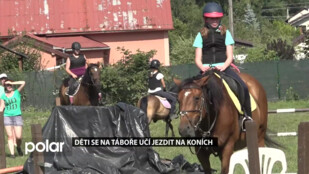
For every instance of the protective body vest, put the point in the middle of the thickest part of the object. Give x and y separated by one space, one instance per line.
77 65
214 48
153 82
77 62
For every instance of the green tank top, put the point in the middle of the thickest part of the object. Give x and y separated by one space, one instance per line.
12 104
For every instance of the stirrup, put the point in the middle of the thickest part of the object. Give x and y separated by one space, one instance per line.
243 122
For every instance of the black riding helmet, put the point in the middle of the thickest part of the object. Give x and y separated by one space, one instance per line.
155 64
76 46
212 10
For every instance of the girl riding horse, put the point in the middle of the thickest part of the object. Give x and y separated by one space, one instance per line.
76 66
214 48
156 82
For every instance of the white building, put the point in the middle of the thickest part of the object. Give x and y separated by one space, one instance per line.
301 21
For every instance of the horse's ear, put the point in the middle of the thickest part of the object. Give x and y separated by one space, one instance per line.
99 64
177 81
201 82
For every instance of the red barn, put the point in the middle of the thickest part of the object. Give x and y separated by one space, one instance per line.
101 26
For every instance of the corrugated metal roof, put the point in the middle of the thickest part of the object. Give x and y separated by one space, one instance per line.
67 16
60 43
42 45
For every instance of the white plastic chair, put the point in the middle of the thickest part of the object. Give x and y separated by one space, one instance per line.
267 157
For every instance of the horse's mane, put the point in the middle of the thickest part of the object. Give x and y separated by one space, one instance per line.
212 90
87 77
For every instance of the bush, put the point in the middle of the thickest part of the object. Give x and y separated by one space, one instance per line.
259 54
283 50
291 95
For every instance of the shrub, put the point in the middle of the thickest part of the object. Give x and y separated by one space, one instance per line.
291 94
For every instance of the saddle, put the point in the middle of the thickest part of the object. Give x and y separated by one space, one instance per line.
236 92
74 86
164 102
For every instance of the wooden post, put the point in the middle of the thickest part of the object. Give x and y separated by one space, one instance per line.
58 103
253 149
38 158
231 20
2 143
303 147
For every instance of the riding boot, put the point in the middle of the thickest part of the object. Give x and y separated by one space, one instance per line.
71 99
247 117
172 114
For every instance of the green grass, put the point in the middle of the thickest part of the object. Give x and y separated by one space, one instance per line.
278 123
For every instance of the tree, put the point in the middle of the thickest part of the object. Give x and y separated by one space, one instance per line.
188 20
250 18
183 52
9 61
283 50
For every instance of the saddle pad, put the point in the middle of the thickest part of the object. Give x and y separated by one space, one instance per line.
235 99
164 102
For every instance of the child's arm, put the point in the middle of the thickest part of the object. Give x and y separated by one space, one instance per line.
21 83
163 84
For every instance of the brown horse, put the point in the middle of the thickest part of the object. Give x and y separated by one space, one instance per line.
206 110
155 111
88 93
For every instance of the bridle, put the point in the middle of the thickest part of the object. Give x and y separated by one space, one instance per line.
197 127
200 111
91 77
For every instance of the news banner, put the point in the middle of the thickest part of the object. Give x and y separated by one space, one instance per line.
102 141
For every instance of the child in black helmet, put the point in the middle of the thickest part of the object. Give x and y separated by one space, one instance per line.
214 48
76 66
156 82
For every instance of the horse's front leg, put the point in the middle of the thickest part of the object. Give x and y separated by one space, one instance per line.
225 156
169 126
203 156
166 128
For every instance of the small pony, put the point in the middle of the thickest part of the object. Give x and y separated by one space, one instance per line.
206 110
88 92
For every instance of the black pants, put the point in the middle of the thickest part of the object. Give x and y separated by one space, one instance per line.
73 84
235 76
169 97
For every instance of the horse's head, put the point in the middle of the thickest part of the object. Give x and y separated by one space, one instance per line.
92 76
191 103
194 98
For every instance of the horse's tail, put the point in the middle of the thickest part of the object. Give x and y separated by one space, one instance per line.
272 143
144 104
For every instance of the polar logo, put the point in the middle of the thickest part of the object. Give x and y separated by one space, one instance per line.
43 147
